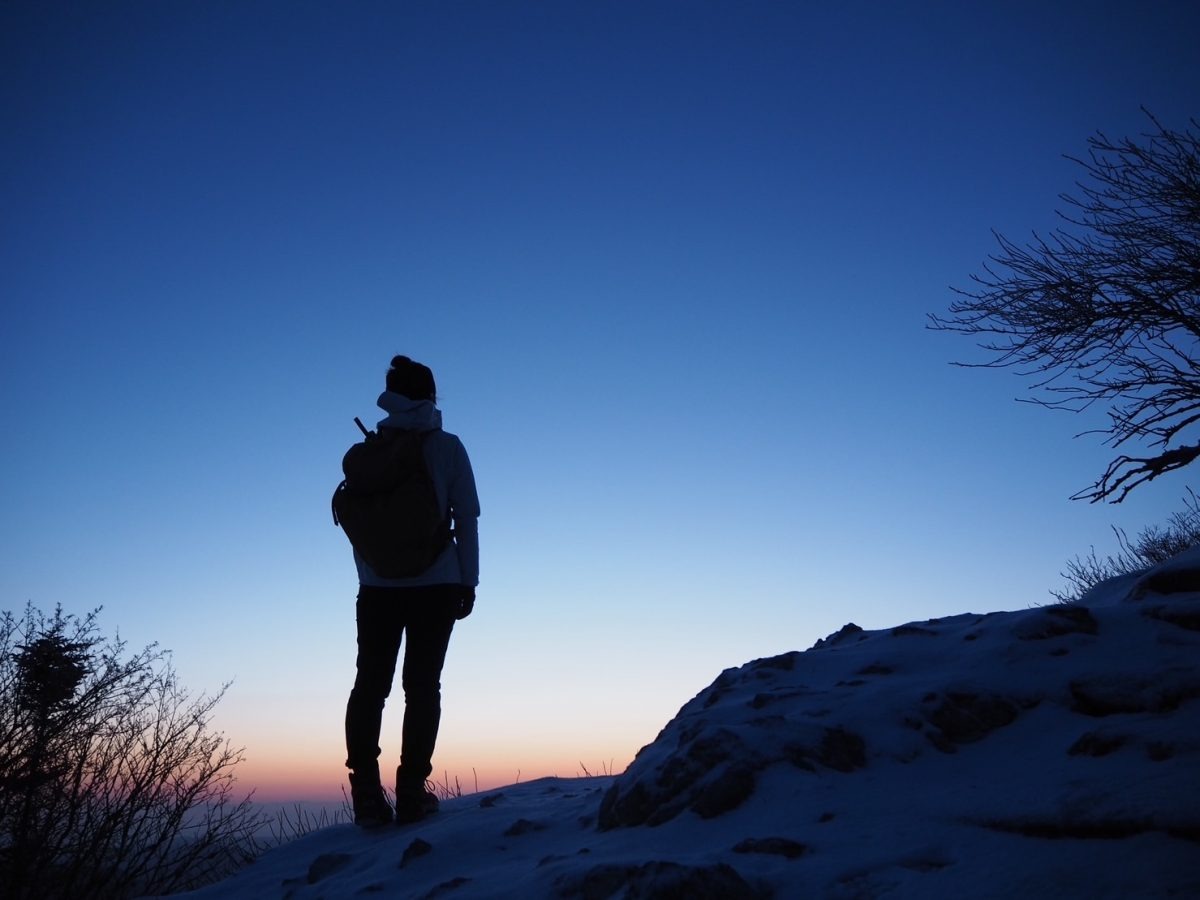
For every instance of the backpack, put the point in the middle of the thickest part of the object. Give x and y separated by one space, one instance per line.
387 503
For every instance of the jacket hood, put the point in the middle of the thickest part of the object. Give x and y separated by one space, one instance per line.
418 415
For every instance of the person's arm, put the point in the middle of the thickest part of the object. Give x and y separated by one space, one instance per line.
464 507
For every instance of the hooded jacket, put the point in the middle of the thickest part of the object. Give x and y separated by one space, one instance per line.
450 469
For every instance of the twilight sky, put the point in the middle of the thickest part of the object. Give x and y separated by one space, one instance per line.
670 263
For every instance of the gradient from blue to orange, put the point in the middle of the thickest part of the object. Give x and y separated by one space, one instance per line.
670 263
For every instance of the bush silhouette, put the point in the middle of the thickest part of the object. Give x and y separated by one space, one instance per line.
112 784
1153 545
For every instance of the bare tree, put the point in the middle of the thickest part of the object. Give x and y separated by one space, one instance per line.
1106 310
111 783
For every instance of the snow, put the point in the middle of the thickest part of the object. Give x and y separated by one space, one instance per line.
1047 752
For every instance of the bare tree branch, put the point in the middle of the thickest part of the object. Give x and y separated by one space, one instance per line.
1105 310
1126 472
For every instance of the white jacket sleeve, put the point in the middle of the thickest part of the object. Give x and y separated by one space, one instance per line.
464 509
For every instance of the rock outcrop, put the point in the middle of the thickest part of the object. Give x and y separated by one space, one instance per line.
1044 713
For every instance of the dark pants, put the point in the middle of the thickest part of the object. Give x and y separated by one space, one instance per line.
424 616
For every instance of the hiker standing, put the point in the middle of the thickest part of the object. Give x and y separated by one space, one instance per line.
420 608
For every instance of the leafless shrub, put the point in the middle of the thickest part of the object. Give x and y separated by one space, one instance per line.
112 784
1153 545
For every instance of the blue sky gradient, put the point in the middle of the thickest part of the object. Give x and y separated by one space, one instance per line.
670 263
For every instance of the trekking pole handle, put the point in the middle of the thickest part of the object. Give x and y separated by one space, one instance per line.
361 426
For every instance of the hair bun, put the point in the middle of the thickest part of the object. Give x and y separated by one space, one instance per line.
412 379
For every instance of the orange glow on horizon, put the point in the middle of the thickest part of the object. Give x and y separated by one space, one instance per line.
323 780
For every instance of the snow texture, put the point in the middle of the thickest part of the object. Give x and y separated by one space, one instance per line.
1049 752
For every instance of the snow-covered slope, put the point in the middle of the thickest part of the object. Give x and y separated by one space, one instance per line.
1050 752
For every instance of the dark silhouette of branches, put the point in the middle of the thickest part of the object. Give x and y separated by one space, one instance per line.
1153 545
111 783
1106 309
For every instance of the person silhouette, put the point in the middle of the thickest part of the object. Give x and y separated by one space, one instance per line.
420 610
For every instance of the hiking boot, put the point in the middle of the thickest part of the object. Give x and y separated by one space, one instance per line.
371 808
413 806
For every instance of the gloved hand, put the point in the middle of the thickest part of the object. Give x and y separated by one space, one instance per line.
466 602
